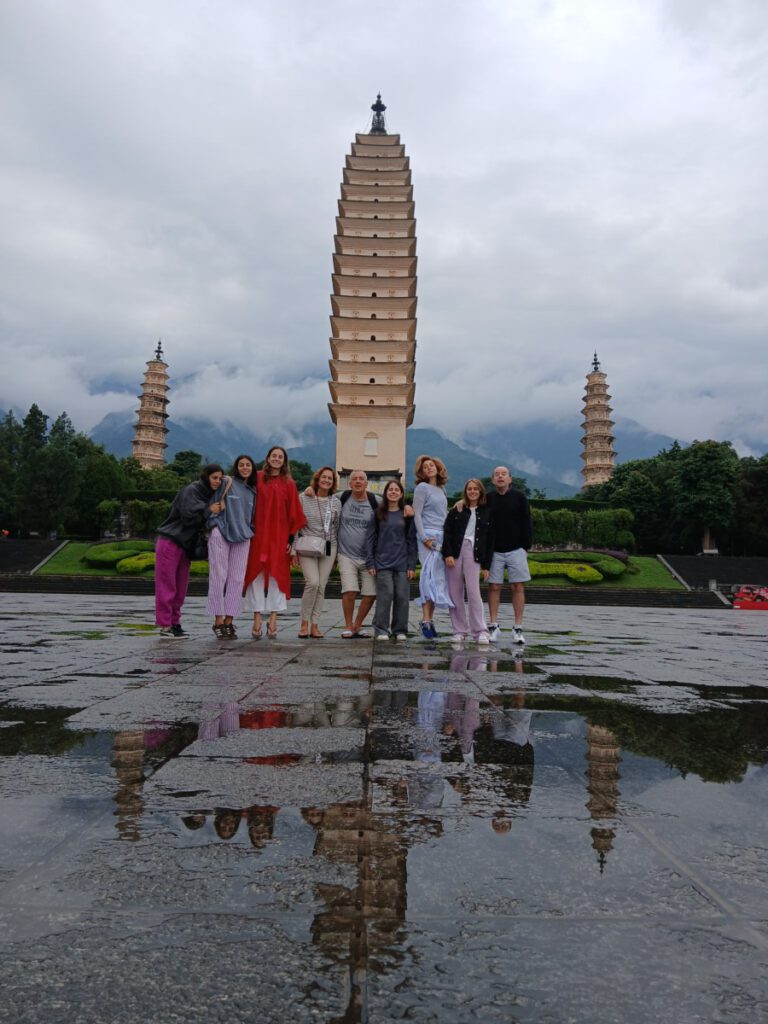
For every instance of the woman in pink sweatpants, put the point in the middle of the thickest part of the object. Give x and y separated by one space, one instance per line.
467 550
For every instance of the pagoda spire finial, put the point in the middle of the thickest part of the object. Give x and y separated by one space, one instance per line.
378 124
159 349
595 363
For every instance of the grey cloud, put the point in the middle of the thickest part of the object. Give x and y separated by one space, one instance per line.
587 174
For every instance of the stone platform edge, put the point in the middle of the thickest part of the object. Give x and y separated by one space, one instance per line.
22 583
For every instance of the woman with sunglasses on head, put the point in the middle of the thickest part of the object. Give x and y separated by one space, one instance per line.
277 519
229 541
322 509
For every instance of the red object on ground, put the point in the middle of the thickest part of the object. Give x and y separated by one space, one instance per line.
752 599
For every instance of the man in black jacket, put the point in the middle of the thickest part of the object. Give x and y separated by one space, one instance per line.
512 538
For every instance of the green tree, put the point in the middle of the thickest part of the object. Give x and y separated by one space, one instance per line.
704 490
30 490
301 473
186 465
750 535
10 448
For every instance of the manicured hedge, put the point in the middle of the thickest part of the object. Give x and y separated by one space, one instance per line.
104 555
136 564
577 572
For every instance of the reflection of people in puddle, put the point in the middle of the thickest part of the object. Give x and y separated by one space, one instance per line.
226 822
261 825
506 741
352 712
222 719
462 720
193 821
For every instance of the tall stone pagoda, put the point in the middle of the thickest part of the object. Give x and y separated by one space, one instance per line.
373 319
598 454
149 432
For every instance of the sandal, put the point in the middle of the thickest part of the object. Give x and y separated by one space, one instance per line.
272 632
316 635
303 636
256 635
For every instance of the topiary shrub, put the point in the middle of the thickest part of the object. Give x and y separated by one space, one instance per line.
577 572
610 567
104 555
136 564
583 574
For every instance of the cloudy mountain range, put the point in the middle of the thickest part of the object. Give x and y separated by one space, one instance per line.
546 454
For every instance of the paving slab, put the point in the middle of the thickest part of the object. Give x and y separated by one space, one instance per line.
568 830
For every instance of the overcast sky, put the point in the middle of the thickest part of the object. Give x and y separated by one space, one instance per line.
588 174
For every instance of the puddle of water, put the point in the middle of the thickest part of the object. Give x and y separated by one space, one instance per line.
462 818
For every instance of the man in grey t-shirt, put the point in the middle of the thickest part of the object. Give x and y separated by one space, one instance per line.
357 511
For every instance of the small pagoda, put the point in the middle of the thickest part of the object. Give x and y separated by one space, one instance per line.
598 455
373 307
149 433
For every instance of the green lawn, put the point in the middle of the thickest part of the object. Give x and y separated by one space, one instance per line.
69 562
652 576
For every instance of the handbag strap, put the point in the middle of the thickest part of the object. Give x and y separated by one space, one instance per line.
325 516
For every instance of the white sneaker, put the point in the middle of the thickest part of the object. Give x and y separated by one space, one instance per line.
457 639
517 635
493 632
483 638
382 636
401 636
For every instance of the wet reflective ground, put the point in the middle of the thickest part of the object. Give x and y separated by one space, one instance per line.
320 831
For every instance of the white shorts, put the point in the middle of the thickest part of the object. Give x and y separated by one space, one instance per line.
355 577
516 564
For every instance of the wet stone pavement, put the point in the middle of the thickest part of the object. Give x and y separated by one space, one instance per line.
323 831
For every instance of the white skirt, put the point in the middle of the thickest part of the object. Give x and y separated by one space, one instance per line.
257 601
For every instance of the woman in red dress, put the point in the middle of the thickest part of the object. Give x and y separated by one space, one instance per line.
278 516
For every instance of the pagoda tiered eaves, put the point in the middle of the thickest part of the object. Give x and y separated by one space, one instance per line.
373 319
598 455
149 444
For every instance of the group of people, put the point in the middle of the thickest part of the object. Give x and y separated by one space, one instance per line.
256 525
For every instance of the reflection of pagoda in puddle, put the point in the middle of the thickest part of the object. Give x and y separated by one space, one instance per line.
132 749
603 757
128 763
361 920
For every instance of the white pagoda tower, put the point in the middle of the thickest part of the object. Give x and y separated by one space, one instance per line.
149 432
373 319
598 454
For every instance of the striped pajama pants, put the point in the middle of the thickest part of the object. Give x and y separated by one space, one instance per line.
226 572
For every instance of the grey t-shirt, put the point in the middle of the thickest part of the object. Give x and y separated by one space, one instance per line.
353 527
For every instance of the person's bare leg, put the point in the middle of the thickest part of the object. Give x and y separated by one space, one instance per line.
348 607
427 611
494 600
272 625
366 603
256 629
518 602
